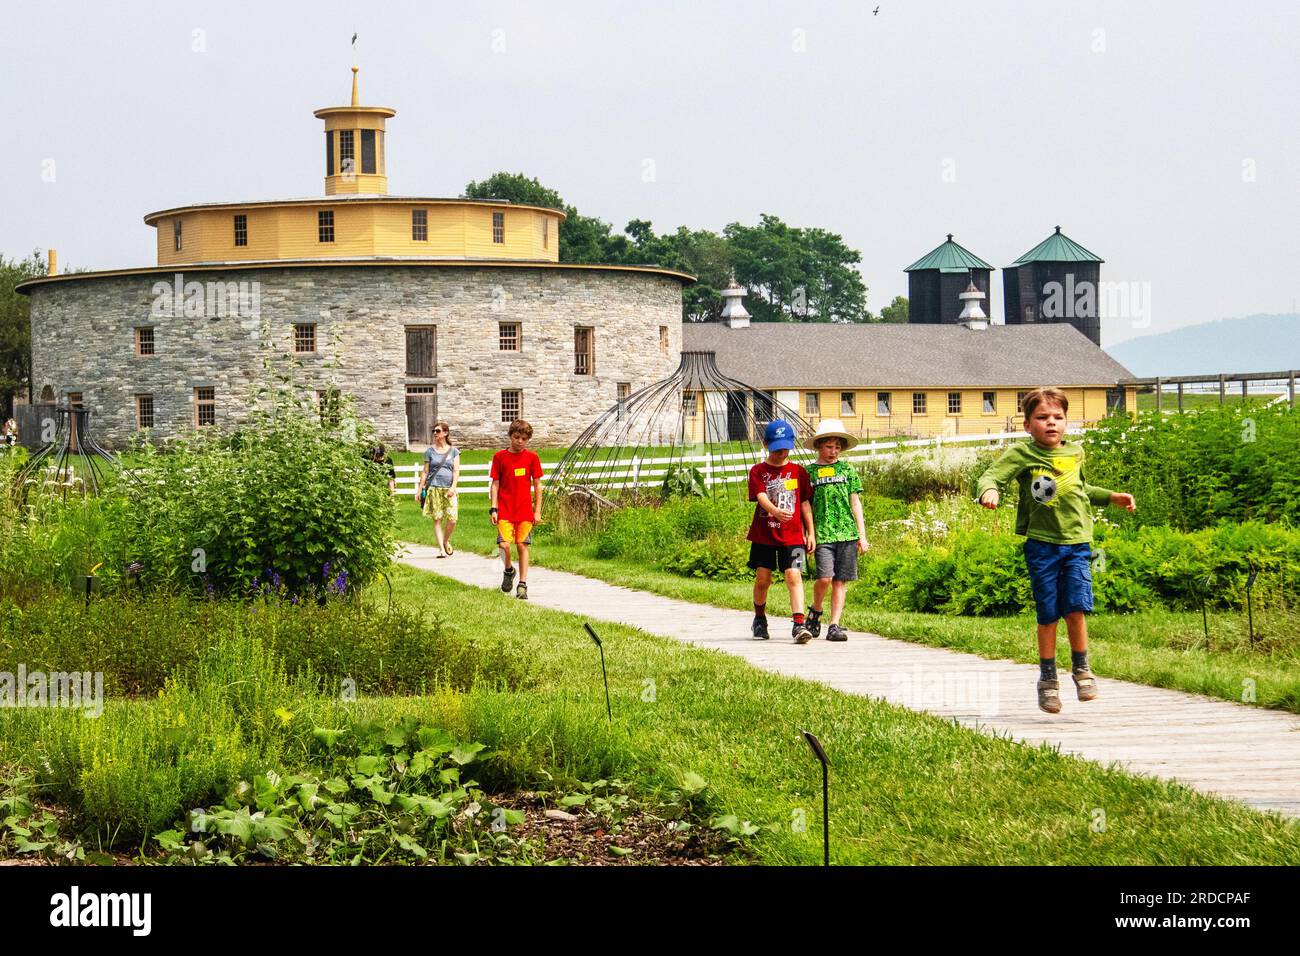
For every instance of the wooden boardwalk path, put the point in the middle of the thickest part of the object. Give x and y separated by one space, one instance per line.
1230 750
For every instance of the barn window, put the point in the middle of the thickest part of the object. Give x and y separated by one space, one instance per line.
508 337
420 225
498 227
584 350
241 230
325 225
918 403
144 342
512 404
144 411
205 406
954 403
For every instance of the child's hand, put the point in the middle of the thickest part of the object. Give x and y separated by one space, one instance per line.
782 514
990 499
537 516
1122 499
863 546
810 542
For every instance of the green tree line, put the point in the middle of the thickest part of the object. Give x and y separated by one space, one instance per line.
791 274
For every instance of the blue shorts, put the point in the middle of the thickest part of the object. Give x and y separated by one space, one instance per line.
1061 577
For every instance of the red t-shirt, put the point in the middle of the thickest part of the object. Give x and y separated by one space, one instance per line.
515 471
786 487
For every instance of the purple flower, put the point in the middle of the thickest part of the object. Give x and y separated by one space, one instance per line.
341 582
275 580
326 572
294 601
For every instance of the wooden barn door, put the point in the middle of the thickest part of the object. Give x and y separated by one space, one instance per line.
421 413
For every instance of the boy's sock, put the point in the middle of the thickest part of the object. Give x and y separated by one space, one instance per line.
1047 668
814 613
798 618
1079 660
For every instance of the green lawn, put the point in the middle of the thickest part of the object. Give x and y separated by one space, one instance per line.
1160 648
1146 401
906 787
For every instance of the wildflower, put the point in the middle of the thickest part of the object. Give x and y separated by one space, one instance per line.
284 715
275 580
325 572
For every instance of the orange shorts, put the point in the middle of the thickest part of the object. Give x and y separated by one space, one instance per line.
521 533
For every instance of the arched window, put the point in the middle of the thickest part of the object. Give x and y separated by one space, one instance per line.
47 395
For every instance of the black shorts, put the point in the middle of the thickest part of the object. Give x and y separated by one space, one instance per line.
778 557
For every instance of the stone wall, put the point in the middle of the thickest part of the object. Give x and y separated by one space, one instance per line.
83 340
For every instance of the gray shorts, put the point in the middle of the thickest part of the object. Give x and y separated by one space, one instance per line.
838 560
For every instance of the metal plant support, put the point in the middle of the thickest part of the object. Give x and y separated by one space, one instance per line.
72 461
697 428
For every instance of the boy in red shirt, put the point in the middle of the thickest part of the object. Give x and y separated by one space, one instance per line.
781 534
516 501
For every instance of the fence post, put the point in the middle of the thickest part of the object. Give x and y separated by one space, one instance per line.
636 474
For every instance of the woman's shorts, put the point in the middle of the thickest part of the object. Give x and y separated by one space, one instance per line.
1061 578
438 504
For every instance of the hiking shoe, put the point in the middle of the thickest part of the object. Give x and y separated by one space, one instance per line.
508 580
759 629
836 633
801 634
1049 696
1085 683
814 623
521 592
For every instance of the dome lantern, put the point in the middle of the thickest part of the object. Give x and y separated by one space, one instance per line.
354 146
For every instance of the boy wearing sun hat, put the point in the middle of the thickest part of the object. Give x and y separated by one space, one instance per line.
837 520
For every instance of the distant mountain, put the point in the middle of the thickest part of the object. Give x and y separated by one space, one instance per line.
1256 343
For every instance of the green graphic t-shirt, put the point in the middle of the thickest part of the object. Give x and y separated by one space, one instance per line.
832 516
1055 500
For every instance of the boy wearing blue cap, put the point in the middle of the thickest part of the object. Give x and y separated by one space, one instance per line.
781 534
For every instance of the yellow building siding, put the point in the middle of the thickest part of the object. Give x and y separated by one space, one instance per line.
291 231
1087 404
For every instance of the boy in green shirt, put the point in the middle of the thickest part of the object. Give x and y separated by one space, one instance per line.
837 519
1054 514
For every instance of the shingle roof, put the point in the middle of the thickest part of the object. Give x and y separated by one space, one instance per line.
949 257
803 354
1058 247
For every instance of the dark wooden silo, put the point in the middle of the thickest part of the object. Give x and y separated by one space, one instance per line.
1056 281
937 279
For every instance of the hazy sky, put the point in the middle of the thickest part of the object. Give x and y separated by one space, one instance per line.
1164 136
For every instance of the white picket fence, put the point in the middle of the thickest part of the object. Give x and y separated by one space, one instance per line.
720 469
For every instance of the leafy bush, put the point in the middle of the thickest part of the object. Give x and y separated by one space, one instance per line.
983 573
284 497
683 481
397 651
713 558
1195 470
913 476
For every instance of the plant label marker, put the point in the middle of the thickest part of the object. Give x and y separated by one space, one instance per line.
820 753
604 675
1250 611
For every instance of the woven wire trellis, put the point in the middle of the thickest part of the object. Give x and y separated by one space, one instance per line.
72 461
696 423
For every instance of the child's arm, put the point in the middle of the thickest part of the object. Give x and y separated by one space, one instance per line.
765 503
537 500
855 505
1007 466
492 499
1104 496
809 531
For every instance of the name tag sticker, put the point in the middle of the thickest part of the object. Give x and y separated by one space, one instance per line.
520 472
791 484
825 472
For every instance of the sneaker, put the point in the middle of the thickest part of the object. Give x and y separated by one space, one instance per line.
521 592
759 629
814 622
508 580
801 634
836 633
1049 696
1085 683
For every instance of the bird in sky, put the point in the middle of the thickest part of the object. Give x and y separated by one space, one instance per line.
873 13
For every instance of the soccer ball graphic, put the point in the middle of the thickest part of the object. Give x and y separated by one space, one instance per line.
1043 488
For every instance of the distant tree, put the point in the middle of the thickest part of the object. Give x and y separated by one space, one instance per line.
792 274
797 275
16 328
896 311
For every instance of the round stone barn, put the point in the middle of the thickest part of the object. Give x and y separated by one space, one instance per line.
420 308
